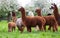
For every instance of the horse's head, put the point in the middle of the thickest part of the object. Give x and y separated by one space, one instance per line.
38 10
13 13
53 6
21 9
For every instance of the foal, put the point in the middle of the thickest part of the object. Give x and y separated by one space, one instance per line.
12 25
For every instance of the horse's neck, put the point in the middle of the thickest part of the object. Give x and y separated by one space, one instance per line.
56 14
39 14
14 19
23 15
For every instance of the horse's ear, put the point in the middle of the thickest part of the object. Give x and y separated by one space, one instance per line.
52 3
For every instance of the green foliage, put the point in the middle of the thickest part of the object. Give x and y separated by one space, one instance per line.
8 5
43 5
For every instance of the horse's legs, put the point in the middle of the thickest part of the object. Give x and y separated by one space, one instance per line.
49 28
42 27
45 27
56 27
20 28
14 28
9 29
39 27
28 28
53 26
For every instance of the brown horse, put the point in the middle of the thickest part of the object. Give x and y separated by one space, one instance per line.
15 22
14 16
32 21
12 24
56 13
50 20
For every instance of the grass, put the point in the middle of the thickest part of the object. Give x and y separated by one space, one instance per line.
34 34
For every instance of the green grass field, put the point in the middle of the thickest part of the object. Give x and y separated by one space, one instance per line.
34 34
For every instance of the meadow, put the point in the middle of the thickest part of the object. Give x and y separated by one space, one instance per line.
34 34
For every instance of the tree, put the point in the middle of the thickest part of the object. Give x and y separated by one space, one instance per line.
43 4
7 5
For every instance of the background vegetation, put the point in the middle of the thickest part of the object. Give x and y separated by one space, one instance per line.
7 6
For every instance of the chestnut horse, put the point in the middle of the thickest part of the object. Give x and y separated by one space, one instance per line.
30 21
